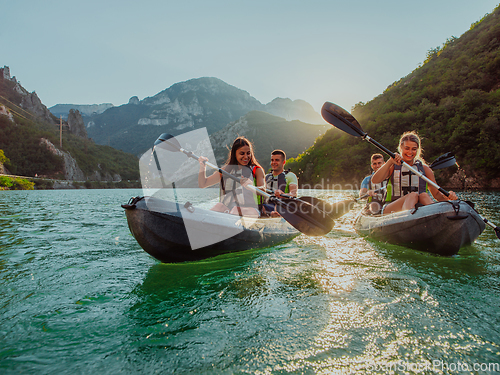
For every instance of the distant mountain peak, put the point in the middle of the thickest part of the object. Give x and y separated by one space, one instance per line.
294 110
198 102
208 85
134 100
85 109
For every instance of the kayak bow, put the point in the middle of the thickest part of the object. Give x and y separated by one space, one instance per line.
440 228
171 232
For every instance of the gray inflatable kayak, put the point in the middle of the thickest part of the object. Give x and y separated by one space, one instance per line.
171 232
441 228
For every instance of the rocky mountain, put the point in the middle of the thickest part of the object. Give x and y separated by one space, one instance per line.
76 124
62 110
202 102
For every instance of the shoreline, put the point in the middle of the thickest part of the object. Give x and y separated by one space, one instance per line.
39 183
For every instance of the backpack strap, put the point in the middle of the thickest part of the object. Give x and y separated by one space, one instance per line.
222 184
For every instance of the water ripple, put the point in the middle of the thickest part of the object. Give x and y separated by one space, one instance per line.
79 295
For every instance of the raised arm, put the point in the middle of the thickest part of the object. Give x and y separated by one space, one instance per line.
203 180
385 171
293 186
435 192
260 178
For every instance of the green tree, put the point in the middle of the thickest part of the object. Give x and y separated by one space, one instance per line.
3 159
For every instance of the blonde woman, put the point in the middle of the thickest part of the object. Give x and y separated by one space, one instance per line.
405 189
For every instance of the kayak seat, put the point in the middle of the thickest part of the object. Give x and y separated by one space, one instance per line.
456 208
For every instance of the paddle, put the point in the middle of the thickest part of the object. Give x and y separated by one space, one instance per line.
303 216
367 195
334 210
443 161
344 121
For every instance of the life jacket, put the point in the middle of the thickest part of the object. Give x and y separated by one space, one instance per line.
278 182
403 181
233 194
379 197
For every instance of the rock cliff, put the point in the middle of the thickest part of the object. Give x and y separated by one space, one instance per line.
73 172
5 112
70 169
3 170
76 124
31 102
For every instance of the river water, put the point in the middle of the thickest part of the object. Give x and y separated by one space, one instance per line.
79 296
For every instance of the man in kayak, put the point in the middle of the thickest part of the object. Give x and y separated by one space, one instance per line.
376 192
279 181
406 189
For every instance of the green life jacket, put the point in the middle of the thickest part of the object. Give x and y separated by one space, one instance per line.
274 183
379 197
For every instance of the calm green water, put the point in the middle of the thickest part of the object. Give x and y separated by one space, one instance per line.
79 296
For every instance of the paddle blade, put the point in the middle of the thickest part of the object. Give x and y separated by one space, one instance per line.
168 142
303 216
341 119
333 210
444 161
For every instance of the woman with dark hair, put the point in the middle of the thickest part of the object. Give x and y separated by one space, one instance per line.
235 198
405 189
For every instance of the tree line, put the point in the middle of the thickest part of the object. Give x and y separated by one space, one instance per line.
452 100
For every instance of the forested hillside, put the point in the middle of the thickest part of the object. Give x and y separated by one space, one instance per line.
267 133
29 138
452 100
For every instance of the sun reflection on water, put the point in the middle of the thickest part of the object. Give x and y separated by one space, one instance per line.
86 293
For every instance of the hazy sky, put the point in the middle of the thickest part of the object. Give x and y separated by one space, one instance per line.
89 52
